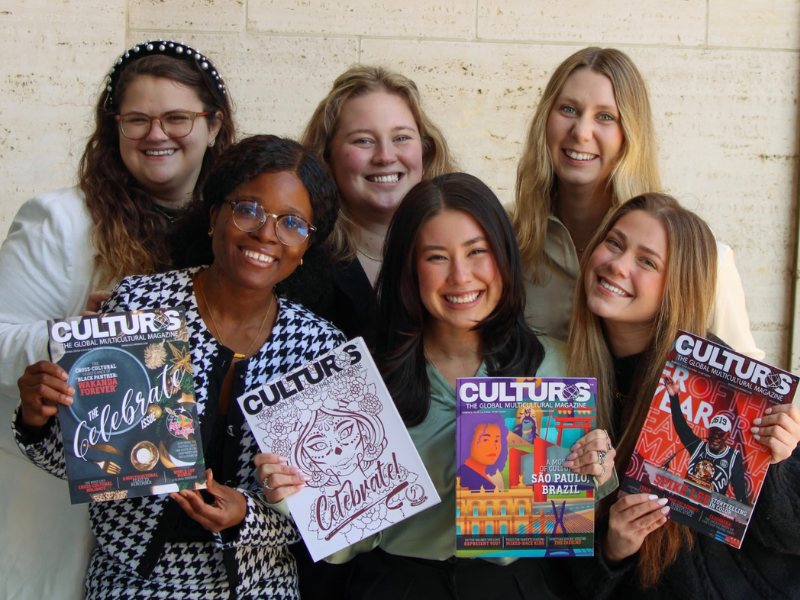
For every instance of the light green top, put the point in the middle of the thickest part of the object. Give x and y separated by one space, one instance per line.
432 533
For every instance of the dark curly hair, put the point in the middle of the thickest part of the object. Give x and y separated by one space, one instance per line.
130 235
236 167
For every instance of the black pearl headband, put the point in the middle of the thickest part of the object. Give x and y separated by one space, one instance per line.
172 49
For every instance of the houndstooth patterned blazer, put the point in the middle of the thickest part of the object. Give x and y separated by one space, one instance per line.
135 558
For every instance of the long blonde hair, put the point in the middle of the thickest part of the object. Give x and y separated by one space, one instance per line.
356 82
635 172
689 291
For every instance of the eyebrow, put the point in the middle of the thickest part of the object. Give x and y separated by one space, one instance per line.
371 131
286 210
471 242
641 247
609 108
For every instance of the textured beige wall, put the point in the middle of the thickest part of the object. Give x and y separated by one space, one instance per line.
723 75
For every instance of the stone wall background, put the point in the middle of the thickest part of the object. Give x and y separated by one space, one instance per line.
723 75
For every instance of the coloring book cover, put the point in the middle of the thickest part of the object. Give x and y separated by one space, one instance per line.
696 447
132 429
334 419
514 497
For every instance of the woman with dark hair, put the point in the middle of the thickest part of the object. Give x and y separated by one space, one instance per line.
651 271
451 302
162 118
267 201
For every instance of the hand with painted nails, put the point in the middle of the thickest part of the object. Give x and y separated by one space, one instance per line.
95 301
630 519
778 430
278 478
594 455
42 389
229 507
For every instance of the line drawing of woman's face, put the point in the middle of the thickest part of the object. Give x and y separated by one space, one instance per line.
335 444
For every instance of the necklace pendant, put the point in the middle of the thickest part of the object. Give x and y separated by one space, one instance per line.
237 355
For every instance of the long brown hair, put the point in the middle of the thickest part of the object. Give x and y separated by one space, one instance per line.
635 172
689 290
356 82
129 234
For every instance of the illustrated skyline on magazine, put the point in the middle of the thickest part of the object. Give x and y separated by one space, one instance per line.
335 420
514 497
696 447
132 429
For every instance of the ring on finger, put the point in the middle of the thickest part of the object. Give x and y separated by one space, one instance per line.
603 472
265 484
601 457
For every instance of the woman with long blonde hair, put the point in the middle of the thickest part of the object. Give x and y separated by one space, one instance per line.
650 271
591 146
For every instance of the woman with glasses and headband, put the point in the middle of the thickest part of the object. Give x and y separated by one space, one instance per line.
161 119
267 201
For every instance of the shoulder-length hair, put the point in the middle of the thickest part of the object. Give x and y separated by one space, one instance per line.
239 165
473 424
129 234
689 292
356 82
509 345
635 172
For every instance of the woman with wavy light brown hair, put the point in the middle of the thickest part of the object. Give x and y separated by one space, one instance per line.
650 271
591 146
373 133
162 118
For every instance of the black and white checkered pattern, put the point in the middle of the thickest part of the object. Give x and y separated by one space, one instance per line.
124 529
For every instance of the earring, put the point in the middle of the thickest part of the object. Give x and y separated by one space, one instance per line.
211 231
212 142
301 262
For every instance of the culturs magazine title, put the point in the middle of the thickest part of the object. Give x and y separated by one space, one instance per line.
335 420
132 429
514 497
696 447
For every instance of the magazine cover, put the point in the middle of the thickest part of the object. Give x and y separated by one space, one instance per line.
132 429
334 419
696 447
514 497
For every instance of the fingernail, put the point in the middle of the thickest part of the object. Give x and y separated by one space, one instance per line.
663 501
575 446
283 459
652 497
67 400
568 463
768 411
665 510
758 437
305 477
295 471
757 421
754 429
71 391
573 455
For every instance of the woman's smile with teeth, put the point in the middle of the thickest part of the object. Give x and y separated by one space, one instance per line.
258 256
463 298
168 152
612 288
579 155
393 178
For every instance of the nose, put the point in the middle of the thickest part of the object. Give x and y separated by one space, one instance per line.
384 153
156 131
620 265
582 129
459 272
268 231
